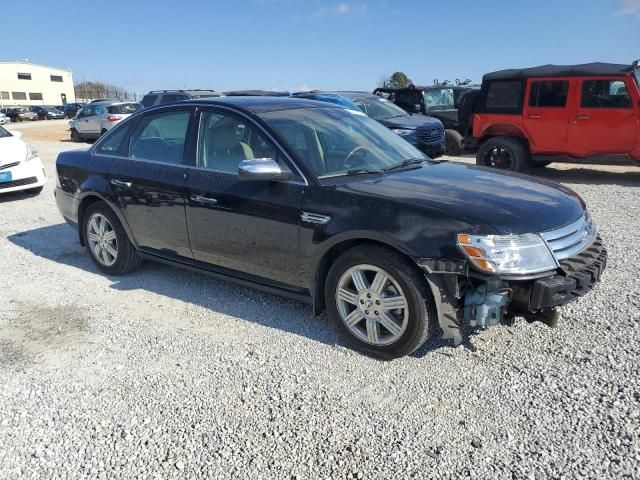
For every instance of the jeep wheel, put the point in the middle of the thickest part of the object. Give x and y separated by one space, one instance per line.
107 242
380 301
503 152
455 142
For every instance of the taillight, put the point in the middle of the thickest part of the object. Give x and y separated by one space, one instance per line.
113 118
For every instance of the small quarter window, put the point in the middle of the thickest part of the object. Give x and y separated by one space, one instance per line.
24 76
504 95
605 94
552 93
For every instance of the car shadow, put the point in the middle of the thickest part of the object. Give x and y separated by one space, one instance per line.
589 176
17 196
59 243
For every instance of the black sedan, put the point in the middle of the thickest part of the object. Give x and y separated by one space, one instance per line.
325 205
45 112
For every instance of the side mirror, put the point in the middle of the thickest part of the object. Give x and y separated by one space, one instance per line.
262 169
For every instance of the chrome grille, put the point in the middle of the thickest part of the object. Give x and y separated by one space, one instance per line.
571 239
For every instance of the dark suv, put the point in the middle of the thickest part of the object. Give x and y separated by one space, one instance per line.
440 101
161 97
323 204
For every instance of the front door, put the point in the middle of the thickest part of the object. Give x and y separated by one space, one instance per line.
606 120
546 114
246 226
148 181
82 124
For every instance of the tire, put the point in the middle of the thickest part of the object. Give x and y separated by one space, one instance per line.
506 153
75 136
455 142
412 324
126 258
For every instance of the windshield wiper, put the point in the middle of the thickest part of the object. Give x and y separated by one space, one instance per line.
405 163
354 171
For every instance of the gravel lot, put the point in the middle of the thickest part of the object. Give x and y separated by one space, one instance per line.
169 374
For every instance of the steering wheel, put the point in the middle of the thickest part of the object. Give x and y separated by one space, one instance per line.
352 153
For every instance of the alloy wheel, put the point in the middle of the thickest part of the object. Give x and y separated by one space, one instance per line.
498 157
102 239
372 305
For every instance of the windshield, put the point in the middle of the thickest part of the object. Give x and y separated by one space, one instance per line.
338 141
439 97
379 108
123 108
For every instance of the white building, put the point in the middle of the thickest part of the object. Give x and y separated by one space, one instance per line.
23 83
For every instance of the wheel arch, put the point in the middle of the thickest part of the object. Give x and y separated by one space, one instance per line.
94 197
333 251
504 130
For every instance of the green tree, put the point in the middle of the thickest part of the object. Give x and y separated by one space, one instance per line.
399 79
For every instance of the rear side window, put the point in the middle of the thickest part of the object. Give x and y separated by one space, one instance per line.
172 98
123 108
113 142
605 94
552 93
99 110
149 100
161 137
504 95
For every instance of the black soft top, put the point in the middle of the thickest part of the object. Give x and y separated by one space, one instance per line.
584 70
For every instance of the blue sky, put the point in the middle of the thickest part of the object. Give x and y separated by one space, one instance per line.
290 44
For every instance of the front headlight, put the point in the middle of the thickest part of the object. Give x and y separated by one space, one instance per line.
507 254
402 131
31 153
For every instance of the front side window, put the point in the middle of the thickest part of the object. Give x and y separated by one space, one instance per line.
99 110
552 93
161 137
439 98
504 95
113 142
336 141
379 108
225 140
605 94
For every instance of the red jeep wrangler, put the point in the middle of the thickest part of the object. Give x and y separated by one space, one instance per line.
534 116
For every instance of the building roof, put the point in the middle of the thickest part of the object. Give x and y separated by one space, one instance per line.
36 65
584 70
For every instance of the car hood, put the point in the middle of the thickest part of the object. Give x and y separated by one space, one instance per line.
510 203
411 122
12 150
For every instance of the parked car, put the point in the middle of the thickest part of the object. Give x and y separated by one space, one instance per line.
531 117
20 165
440 101
45 112
4 119
325 205
97 118
161 97
20 114
71 109
425 133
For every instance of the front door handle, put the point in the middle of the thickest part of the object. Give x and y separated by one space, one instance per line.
120 183
535 117
201 199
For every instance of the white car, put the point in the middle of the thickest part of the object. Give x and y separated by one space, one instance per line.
20 165
4 119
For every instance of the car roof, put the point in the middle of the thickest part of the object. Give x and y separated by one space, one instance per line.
258 104
186 92
256 93
583 70
350 94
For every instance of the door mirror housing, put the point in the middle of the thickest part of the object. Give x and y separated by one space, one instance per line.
262 169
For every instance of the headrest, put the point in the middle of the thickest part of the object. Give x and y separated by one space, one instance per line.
222 137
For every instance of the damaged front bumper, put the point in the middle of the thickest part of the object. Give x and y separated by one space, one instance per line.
463 295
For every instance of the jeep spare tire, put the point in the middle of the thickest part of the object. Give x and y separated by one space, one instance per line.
505 153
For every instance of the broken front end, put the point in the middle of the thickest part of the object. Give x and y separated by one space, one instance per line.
508 276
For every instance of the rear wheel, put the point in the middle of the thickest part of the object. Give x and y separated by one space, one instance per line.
505 153
104 130
107 242
379 300
455 143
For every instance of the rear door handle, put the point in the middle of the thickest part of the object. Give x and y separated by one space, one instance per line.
120 183
583 117
535 117
201 199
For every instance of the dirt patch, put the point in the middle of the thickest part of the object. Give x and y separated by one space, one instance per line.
47 131
31 334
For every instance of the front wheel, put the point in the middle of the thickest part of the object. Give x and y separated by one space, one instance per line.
107 242
75 137
455 142
379 300
505 153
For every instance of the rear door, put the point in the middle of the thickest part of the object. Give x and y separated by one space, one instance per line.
605 120
148 181
546 114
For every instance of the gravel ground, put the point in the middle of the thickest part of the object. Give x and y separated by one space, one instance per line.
169 374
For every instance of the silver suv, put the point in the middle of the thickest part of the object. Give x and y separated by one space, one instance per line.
98 118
